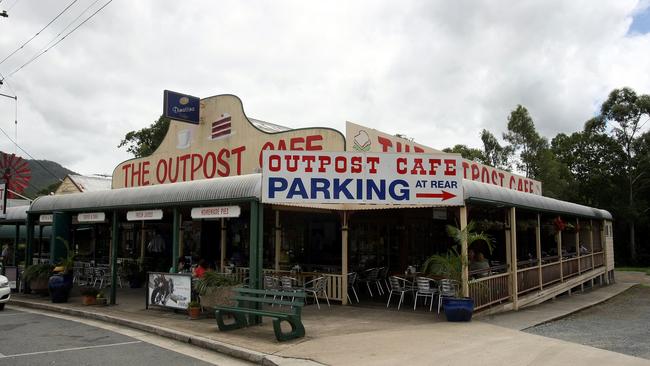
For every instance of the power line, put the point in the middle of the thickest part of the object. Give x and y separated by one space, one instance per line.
28 154
39 32
69 24
59 41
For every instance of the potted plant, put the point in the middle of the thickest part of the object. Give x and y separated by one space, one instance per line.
89 295
194 309
36 276
101 299
60 283
215 289
450 266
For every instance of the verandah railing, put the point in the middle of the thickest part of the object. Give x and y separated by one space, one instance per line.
489 290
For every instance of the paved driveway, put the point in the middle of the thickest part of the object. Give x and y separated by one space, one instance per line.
621 324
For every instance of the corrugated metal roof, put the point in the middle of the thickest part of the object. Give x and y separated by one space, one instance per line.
482 192
91 184
205 190
268 126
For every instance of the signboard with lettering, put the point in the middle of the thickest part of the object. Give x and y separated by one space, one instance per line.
365 139
181 107
224 143
144 215
3 200
371 178
91 217
46 219
215 212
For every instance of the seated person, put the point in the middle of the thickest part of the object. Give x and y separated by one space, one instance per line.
181 266
200 270
480 267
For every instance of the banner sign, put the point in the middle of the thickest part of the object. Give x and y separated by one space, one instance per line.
3 200
46 219
181 107
348 177
91 217
144 215
170 290
215 212
366 139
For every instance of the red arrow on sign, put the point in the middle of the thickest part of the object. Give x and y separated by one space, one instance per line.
444 195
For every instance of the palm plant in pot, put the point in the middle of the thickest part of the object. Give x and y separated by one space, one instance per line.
36 276
450 266
60 283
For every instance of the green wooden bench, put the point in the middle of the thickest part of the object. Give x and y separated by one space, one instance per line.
251 301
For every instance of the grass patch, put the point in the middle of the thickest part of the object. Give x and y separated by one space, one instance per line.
645 270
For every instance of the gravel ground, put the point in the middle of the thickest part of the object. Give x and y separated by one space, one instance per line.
621 324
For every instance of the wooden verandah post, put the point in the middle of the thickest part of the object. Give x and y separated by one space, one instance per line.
463 251
344 258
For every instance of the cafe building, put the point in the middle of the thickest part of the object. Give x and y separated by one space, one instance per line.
211 191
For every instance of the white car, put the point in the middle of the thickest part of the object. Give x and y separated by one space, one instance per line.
5 291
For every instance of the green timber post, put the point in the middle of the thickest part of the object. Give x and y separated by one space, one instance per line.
16 242
114 241
30 241
255 254
61 222
175 239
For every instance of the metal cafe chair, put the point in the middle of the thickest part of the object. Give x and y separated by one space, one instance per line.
352 282
382 279
272 283
315 287
424 289
446 288
372 276
287 284
399 285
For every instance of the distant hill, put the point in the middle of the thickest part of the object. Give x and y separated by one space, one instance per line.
43 180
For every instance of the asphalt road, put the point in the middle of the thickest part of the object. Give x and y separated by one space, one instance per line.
621 324
28 338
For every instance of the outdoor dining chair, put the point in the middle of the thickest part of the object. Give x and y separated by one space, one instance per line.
399 285
352 282
372 277
424 289
446 288
317 286
272 284
288 284
382 279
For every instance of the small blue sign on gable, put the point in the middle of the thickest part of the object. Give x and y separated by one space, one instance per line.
181 107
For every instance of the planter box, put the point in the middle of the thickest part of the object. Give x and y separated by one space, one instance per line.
218 296
458 309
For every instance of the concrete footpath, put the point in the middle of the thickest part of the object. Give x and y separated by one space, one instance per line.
377 336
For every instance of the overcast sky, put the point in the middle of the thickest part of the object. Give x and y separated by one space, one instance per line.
437 71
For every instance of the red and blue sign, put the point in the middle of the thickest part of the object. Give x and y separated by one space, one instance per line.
181 107
370 178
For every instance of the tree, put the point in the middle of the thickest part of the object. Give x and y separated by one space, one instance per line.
623 111
523 137
469 153
145 141
494 154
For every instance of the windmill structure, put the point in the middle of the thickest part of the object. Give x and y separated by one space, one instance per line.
15 172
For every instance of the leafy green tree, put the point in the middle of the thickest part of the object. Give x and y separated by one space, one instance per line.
623 111
466 152
494 154
523 138
145 141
